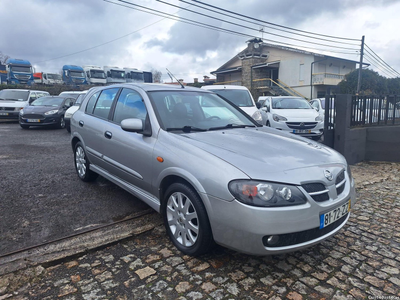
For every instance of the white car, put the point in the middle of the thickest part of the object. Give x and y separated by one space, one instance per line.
292 114
238 95
70 111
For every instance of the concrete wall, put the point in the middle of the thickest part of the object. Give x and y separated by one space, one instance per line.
376 143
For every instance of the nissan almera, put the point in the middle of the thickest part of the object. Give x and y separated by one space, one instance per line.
214 174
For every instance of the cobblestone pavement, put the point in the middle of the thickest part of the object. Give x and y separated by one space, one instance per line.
361 262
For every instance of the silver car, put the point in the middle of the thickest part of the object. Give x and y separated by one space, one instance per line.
214 174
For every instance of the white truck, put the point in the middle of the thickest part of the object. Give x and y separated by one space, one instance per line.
114 74
47 78
95 75
133 75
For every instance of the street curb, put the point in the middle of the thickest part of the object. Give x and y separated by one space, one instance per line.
71 246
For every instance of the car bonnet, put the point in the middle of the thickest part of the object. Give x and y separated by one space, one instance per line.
265 153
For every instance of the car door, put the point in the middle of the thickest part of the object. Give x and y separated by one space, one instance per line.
92 123
128 155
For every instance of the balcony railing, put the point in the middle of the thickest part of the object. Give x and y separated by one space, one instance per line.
326 78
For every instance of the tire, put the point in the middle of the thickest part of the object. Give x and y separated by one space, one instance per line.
186 221
82 164
24 126
61 123
268 124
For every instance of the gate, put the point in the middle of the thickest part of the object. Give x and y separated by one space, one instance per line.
330 120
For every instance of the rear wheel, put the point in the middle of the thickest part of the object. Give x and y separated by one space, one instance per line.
82 164
186 220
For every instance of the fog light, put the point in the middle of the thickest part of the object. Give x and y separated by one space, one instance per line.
272 240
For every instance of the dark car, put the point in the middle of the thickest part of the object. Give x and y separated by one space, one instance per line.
45 111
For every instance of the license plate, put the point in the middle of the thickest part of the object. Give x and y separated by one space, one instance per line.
3 114
334 215
33 120
301 131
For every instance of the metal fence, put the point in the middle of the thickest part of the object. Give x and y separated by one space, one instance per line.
375 110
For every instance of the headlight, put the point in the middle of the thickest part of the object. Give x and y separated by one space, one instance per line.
278 118
266 194
319 118
21 111
18 109
257 116
51 112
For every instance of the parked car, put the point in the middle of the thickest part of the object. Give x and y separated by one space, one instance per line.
292 114
319 105
70 111
240 96
13 100
213 173
71 94
45 111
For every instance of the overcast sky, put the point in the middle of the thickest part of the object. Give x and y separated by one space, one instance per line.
52 33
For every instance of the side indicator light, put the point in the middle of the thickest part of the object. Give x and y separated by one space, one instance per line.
160 159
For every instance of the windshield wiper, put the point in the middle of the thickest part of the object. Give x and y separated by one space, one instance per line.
186 129
229 126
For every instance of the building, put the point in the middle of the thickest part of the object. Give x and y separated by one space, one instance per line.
267 69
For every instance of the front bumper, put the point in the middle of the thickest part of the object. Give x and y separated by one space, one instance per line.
42 121
9 114
316 131
247 228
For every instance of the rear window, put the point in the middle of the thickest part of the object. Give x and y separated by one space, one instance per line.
241 98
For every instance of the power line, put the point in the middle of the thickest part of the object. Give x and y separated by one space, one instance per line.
277 25
376 55
379 66
247 27
105 43
208 26
263 25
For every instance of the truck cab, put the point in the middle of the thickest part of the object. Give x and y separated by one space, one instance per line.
95 75
47 78
133 75
19 71
114 74
73 75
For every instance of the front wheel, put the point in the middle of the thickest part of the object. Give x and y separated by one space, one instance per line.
82 164
61 123
186 220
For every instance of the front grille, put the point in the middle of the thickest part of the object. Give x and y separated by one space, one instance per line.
7 108
303 236
340 183
317 191
22 77
33 116
301 125
77 80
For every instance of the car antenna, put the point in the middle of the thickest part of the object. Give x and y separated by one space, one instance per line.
172 75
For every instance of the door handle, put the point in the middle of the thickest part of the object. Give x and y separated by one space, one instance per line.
80 123
108 135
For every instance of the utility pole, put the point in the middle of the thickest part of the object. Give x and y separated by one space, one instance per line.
361 63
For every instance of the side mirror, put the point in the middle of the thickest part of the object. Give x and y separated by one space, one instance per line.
258 105
132 125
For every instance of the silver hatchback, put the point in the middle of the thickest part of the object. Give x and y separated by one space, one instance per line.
214 174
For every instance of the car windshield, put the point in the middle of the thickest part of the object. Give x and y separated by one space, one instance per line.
97 74
22 69
240 97
196 111
290 103
70 95
76 74
332 103
54 76
48 101
79 100
14 95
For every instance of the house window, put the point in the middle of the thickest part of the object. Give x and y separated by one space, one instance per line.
301 74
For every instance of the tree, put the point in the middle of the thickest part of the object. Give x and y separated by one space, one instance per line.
371 83
3 58
156 75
